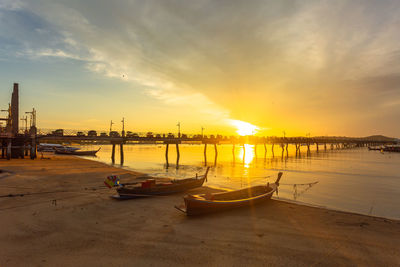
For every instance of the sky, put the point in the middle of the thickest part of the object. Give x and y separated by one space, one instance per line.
299 67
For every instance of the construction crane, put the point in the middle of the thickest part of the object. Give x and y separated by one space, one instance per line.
26 123
32 120
111 123
123 127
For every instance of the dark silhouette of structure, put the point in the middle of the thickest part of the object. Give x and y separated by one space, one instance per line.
15 110
13 144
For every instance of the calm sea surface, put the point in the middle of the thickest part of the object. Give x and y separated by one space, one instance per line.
355 180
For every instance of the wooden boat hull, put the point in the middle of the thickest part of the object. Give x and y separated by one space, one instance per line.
207 203
200 206
375 148
160 190
53 147
77 153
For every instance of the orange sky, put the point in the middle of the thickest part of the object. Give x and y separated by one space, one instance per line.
318 67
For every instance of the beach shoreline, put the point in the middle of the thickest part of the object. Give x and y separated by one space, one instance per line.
73 221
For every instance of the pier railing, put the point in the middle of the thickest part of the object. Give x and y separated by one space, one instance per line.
85 136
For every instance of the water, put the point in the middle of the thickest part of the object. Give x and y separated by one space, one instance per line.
356 180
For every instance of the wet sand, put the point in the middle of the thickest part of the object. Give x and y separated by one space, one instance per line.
70 220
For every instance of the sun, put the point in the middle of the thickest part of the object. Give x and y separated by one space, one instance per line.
244 128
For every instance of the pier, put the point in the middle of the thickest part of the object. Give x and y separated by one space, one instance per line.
321 143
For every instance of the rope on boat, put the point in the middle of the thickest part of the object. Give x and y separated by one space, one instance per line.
260 177
313 183
269 176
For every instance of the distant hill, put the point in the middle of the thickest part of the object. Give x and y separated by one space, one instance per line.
380 138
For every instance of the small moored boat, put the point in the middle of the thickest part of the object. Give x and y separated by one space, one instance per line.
212 202
151 188
45 147
391 148
375 148
77 152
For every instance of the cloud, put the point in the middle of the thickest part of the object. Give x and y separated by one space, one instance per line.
58 53
125 54
383 84
11 4
293 61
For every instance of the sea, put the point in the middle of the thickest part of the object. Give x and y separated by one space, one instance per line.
348 179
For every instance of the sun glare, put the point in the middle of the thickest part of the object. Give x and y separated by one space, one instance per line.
244 128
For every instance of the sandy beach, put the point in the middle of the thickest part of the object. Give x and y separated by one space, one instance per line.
67 218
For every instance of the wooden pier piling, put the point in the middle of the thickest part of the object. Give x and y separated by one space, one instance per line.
297 149
177 155
121 147
216 154
205 154
9 149
166 156
272 150
33 149
233 153
113 154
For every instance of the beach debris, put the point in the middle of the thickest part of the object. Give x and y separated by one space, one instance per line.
4 173
360 224
43 157
13 195
111 181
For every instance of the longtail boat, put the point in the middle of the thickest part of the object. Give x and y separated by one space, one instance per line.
151 188
375 148
45 147
391 148
77 152
212 202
